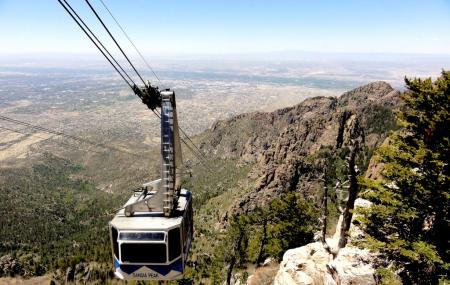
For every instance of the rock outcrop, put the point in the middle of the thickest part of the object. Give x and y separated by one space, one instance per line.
26 266
313 264
280 143
10 266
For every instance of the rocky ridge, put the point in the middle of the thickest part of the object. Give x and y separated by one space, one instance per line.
279 143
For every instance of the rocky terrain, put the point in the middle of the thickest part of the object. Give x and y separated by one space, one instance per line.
252 159
313 264
281 145
257 157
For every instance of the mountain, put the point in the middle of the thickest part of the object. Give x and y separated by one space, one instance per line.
250 160
282 144
253 159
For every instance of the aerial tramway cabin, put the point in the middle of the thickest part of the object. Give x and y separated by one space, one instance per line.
150 246
151 235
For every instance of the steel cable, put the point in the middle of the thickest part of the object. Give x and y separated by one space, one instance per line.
92 40
117 44
129 39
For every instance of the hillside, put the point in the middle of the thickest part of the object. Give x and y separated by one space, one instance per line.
283 145
252 159
256 157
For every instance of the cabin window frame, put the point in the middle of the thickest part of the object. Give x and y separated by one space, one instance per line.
171 255
163 242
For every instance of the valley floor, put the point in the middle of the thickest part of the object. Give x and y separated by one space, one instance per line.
40 280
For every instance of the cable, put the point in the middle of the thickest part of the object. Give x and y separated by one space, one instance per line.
201 160
92 33
21 131
107 58
197 153
98 17
112 37
44 139
184 133
131 42
4 118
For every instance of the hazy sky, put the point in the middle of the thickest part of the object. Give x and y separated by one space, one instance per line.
234 26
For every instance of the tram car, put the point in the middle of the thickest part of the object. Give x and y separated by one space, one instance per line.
151 235
149 245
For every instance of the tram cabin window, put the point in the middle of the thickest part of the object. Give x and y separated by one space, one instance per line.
174 243
144 252
142 236
141 252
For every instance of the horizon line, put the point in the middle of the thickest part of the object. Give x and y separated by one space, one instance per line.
289 52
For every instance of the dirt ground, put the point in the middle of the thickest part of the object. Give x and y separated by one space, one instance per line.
19 149
41 280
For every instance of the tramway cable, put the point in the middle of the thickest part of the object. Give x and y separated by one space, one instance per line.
186 135
117 44
137 50
62 134
199 156
45 139
23 132
95 37
92 40
129 39
106 28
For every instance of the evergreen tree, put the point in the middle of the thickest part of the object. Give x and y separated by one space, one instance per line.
409 219
293 222
237 237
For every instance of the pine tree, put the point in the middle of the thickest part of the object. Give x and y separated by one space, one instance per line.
237 237
293 222
409 219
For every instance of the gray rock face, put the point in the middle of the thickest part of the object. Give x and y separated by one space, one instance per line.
279 143
313 264
81 273
70 275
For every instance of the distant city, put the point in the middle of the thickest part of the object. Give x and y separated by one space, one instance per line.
87 97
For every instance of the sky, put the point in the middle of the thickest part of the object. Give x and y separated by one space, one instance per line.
233 26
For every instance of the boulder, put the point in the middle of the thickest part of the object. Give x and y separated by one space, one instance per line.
313 264
306 265
269 262
353 266
10 266
70 275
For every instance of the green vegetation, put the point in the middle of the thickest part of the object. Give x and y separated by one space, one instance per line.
334 166
215 186
213 178
52 218
409 220
285 223
291 222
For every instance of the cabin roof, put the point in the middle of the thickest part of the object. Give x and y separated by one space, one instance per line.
152 221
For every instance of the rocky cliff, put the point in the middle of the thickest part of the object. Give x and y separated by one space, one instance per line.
281 144
254 158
